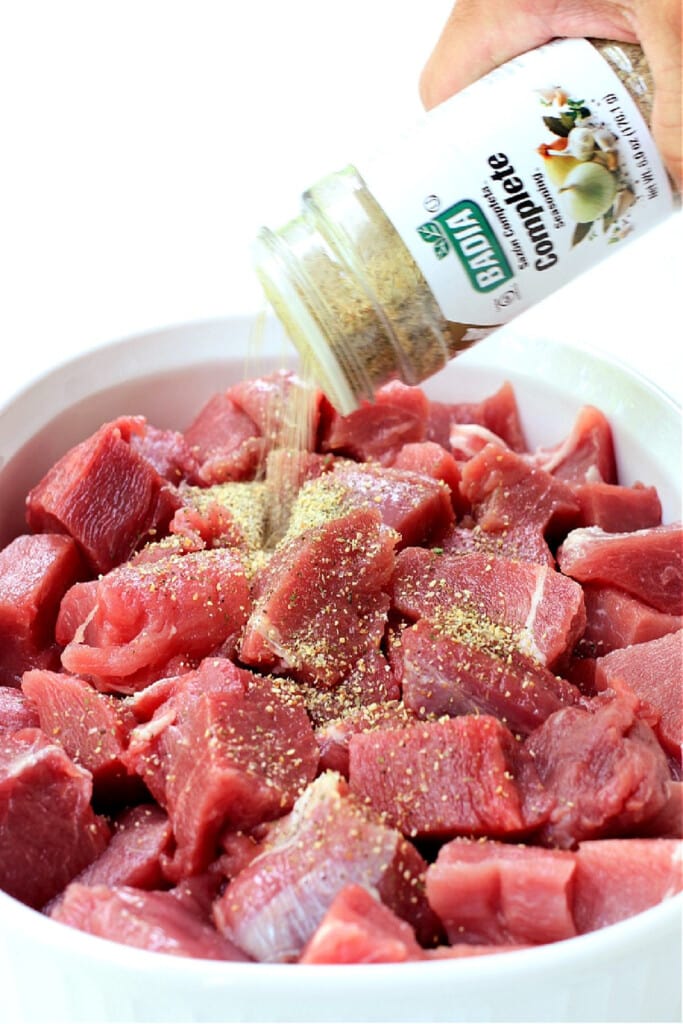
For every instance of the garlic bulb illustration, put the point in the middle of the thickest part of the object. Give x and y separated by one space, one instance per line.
581 143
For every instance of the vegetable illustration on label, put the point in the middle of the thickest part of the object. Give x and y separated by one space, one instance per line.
583 161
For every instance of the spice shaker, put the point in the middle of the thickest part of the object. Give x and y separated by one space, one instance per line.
497 198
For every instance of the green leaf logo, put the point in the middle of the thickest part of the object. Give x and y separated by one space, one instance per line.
463 230
431 232
441 248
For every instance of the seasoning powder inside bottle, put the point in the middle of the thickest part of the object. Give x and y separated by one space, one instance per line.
499 196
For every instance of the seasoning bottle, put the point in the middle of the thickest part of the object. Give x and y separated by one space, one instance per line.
497 198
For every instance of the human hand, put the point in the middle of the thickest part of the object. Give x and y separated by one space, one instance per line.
480 35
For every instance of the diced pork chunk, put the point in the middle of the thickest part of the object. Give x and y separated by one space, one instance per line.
224 515
48 831
524 544
319 603
653 673
430 459
510 497
377 431
483 672
16 711
586 455
468 439
617 878
75 609
615 619
141 836
603 769
617 509
146 614
440 779
359 929
92 727
371 682
104 494
329 841
648 564
224 750
154 921
334 736
35 573
167 451
667 823
543 608
498 413
491 892
224 441
416 505
284 407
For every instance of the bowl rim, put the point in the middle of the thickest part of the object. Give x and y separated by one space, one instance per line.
632 932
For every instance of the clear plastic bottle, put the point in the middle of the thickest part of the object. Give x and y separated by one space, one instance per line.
497 198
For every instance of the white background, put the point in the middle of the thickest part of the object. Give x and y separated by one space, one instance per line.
143 144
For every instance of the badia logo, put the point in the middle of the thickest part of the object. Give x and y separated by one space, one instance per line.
464 229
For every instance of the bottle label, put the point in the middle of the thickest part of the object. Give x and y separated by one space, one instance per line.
524 180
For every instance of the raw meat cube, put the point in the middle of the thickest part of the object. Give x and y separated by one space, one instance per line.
443 675
603 768
146 614
223 750
648 564
518 502
35 573
498 413
586 455
155 921
285 409
617 509
167 451
543 608
440 779
359 929
653 673
319 603
468 439
224 515
377 431
329 841
48 831
614 619
417 506
92 727
430 459
224 441
525 545
491 892
617 878
141 836
104 494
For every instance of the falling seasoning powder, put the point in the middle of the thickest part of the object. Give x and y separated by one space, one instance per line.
497 198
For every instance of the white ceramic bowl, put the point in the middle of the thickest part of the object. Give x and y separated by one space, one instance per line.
48 972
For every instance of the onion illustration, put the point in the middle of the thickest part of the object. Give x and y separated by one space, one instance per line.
588 192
